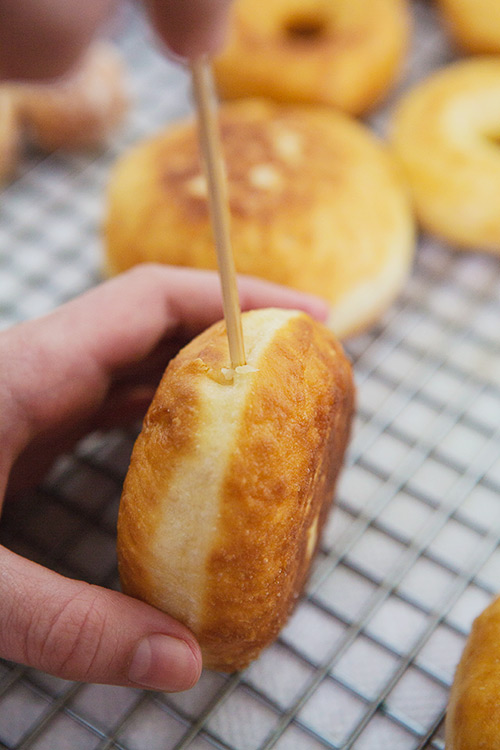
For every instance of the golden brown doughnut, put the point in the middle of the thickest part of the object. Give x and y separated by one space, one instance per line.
81 109
445 135
316 204
345 53
474 24
9 136
473 716
231 480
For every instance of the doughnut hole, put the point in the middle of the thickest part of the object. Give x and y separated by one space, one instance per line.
310 27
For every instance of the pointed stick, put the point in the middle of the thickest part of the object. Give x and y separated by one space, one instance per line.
219 207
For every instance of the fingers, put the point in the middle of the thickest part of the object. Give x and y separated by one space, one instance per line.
82 632
58 370
43 39
196 301
190 28
256 293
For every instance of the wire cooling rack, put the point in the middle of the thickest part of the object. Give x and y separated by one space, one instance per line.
410 555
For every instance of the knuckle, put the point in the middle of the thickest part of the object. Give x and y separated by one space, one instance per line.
69 643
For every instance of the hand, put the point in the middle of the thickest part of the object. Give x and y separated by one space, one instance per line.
44 39
95 363
190 28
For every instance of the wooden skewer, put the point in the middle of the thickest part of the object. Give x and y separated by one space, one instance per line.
203 90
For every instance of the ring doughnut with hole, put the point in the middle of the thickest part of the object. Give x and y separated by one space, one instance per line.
446 136
345 53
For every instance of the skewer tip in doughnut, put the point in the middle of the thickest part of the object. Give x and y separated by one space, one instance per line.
316 203
473 716
346 53
446 137
473 24
231 481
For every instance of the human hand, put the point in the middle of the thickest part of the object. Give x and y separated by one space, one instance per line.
44 39
95 363
190 28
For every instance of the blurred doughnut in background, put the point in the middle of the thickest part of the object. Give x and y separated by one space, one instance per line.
346 53
445 135
316 204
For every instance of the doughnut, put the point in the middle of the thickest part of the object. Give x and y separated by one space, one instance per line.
9 136
445 135
473 716
316 204
80 110
474 24
231 480
345 53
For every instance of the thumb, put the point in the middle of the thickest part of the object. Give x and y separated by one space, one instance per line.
82 632
190 28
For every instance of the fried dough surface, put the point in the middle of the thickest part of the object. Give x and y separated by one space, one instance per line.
230 481
316 204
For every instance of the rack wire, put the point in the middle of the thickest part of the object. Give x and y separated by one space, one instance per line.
410 554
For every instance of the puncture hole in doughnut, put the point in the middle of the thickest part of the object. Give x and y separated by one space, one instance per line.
307 28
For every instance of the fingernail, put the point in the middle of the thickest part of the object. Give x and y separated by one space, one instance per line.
161 662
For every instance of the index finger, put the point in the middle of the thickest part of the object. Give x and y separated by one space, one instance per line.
58 368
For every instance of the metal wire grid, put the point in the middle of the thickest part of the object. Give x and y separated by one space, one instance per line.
409 557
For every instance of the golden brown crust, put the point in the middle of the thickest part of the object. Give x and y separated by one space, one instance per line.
281 477
473 716
345 53
316 204
270 488
80 110
474 24
445 135
9 136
